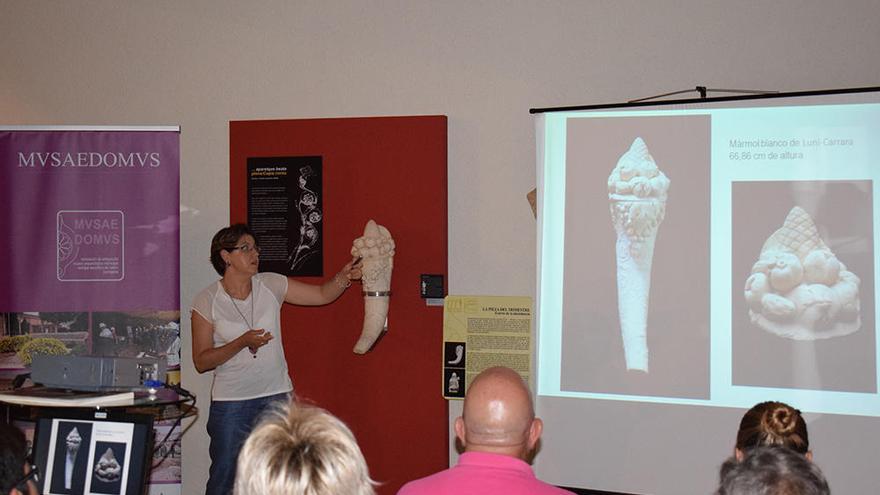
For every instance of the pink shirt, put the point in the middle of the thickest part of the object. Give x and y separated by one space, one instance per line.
480 473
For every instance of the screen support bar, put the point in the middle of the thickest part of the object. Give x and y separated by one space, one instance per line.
703 90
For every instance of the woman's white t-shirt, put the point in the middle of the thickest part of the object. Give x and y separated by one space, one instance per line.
247 375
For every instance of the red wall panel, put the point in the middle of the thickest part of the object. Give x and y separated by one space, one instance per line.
393 170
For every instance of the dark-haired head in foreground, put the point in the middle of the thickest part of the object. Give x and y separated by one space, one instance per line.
773 423
772 470
15 472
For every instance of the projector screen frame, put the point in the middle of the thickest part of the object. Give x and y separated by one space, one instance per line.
714 99
722 423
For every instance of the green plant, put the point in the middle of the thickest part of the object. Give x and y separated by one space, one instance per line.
14 343
79 349
42 345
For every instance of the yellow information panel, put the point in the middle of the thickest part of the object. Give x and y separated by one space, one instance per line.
484 331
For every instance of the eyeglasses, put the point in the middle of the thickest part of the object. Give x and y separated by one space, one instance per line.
247 248
21 484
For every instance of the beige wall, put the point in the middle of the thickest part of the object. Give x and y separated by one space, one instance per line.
202 63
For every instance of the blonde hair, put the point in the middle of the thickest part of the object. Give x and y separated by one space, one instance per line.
298 449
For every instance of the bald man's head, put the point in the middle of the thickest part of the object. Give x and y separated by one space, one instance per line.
498 415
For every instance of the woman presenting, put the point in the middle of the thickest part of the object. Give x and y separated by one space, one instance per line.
236 331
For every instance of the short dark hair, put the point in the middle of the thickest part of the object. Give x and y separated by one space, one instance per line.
772 470
227 238
13 453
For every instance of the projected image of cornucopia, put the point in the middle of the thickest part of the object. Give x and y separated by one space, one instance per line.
637 197
798 288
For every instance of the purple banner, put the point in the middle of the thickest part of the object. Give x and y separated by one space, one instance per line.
90 221
89 256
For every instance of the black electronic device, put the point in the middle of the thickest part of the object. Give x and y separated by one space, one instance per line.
98 451
432 286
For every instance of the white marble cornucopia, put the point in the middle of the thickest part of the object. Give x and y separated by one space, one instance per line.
376 247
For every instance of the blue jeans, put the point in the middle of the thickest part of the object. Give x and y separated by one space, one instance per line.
229 424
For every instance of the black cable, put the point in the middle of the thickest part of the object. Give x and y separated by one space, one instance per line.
178 421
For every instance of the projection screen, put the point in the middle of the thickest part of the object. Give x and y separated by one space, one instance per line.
697 257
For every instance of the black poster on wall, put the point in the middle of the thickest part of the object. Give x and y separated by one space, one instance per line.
285 211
